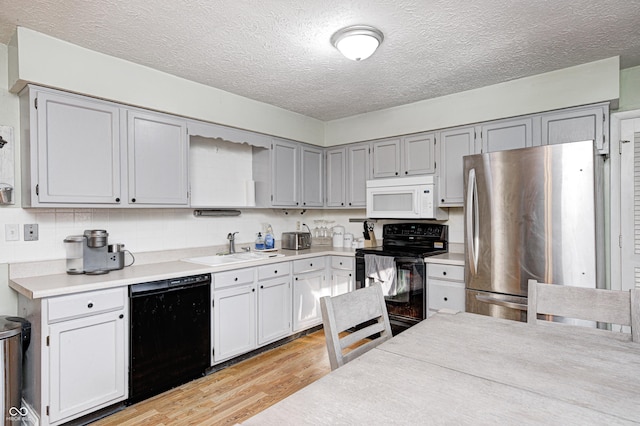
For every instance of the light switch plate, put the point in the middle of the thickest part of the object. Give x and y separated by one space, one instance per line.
11 232
31 232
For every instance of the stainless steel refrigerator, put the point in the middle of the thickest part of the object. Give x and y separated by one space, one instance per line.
531 213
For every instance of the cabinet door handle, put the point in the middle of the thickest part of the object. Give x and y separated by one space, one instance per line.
444 272
117 200
296 278
253 289
275 272
133 200
445 299
121 316
235 279
261 286
90 305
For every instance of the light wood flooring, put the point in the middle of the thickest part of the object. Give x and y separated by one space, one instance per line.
234 394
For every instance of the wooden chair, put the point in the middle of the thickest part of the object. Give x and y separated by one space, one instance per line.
608 306
340 313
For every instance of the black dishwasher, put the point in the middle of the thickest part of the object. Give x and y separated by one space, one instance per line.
169 335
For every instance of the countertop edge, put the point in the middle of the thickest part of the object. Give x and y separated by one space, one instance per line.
43 286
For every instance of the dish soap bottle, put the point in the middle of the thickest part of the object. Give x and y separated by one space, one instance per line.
259 242
269 241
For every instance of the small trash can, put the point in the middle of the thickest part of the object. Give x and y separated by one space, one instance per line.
14 339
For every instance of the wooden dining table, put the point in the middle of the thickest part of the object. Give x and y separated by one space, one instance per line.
466 368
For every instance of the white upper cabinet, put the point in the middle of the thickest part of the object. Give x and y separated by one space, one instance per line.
358 172
418 154
74 147
157 157
312 176
336 177
386 158
296 175
406 156
577 124
454 144
284 178
80 151
507 134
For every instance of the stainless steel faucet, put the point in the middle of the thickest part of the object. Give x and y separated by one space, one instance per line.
232 242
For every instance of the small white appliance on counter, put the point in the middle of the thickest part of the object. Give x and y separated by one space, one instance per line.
404 198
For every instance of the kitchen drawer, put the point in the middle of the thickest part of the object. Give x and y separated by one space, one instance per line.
308 265
83 304
445 294
447 272
342 262
275 270
230 278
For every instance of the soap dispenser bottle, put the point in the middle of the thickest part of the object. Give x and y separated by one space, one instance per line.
260 242
269 241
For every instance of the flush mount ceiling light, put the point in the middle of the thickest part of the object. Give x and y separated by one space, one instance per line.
357 42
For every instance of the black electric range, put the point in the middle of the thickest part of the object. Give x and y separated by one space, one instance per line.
405 245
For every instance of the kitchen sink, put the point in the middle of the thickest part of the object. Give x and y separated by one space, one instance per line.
226 259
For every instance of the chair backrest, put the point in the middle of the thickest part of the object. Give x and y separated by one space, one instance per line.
341 313
608 306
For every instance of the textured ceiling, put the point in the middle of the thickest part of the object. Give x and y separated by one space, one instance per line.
278 51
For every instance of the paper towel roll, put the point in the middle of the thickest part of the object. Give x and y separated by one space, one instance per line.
250 192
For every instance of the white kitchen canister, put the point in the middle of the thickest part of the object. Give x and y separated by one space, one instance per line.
338 240
348 240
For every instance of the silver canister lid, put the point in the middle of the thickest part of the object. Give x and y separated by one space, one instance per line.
9 328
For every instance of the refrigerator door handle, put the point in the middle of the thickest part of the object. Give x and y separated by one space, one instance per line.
499 302
472 218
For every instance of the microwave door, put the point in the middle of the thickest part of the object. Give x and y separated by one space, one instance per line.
397 202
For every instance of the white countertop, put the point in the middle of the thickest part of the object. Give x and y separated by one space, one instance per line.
447 259
36 287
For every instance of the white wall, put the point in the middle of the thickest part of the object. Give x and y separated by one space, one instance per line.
583 84
44 60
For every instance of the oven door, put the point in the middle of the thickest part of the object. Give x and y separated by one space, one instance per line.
406 297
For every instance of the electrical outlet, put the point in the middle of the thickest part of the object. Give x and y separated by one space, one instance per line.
31 232
11 232
297 225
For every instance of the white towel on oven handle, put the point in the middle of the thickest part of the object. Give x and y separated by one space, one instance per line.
381 269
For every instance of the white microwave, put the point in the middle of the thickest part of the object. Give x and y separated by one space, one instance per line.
404 198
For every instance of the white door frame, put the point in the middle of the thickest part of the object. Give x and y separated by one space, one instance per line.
622 128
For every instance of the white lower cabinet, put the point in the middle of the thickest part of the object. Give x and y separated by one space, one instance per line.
87 364
342 275
77 361
309 285
274 302
445 288
234 313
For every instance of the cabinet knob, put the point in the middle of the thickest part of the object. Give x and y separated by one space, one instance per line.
296 278
396 173
406 173
275 272
120 316
349 203
342 204
349 274
117 200
133 200
311 264
304 204
253 289
90 305
444 272
235 279
261 286
442 200
445 299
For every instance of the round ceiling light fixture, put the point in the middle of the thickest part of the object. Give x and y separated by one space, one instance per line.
357 42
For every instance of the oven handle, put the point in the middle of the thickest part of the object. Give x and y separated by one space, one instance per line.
504 303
